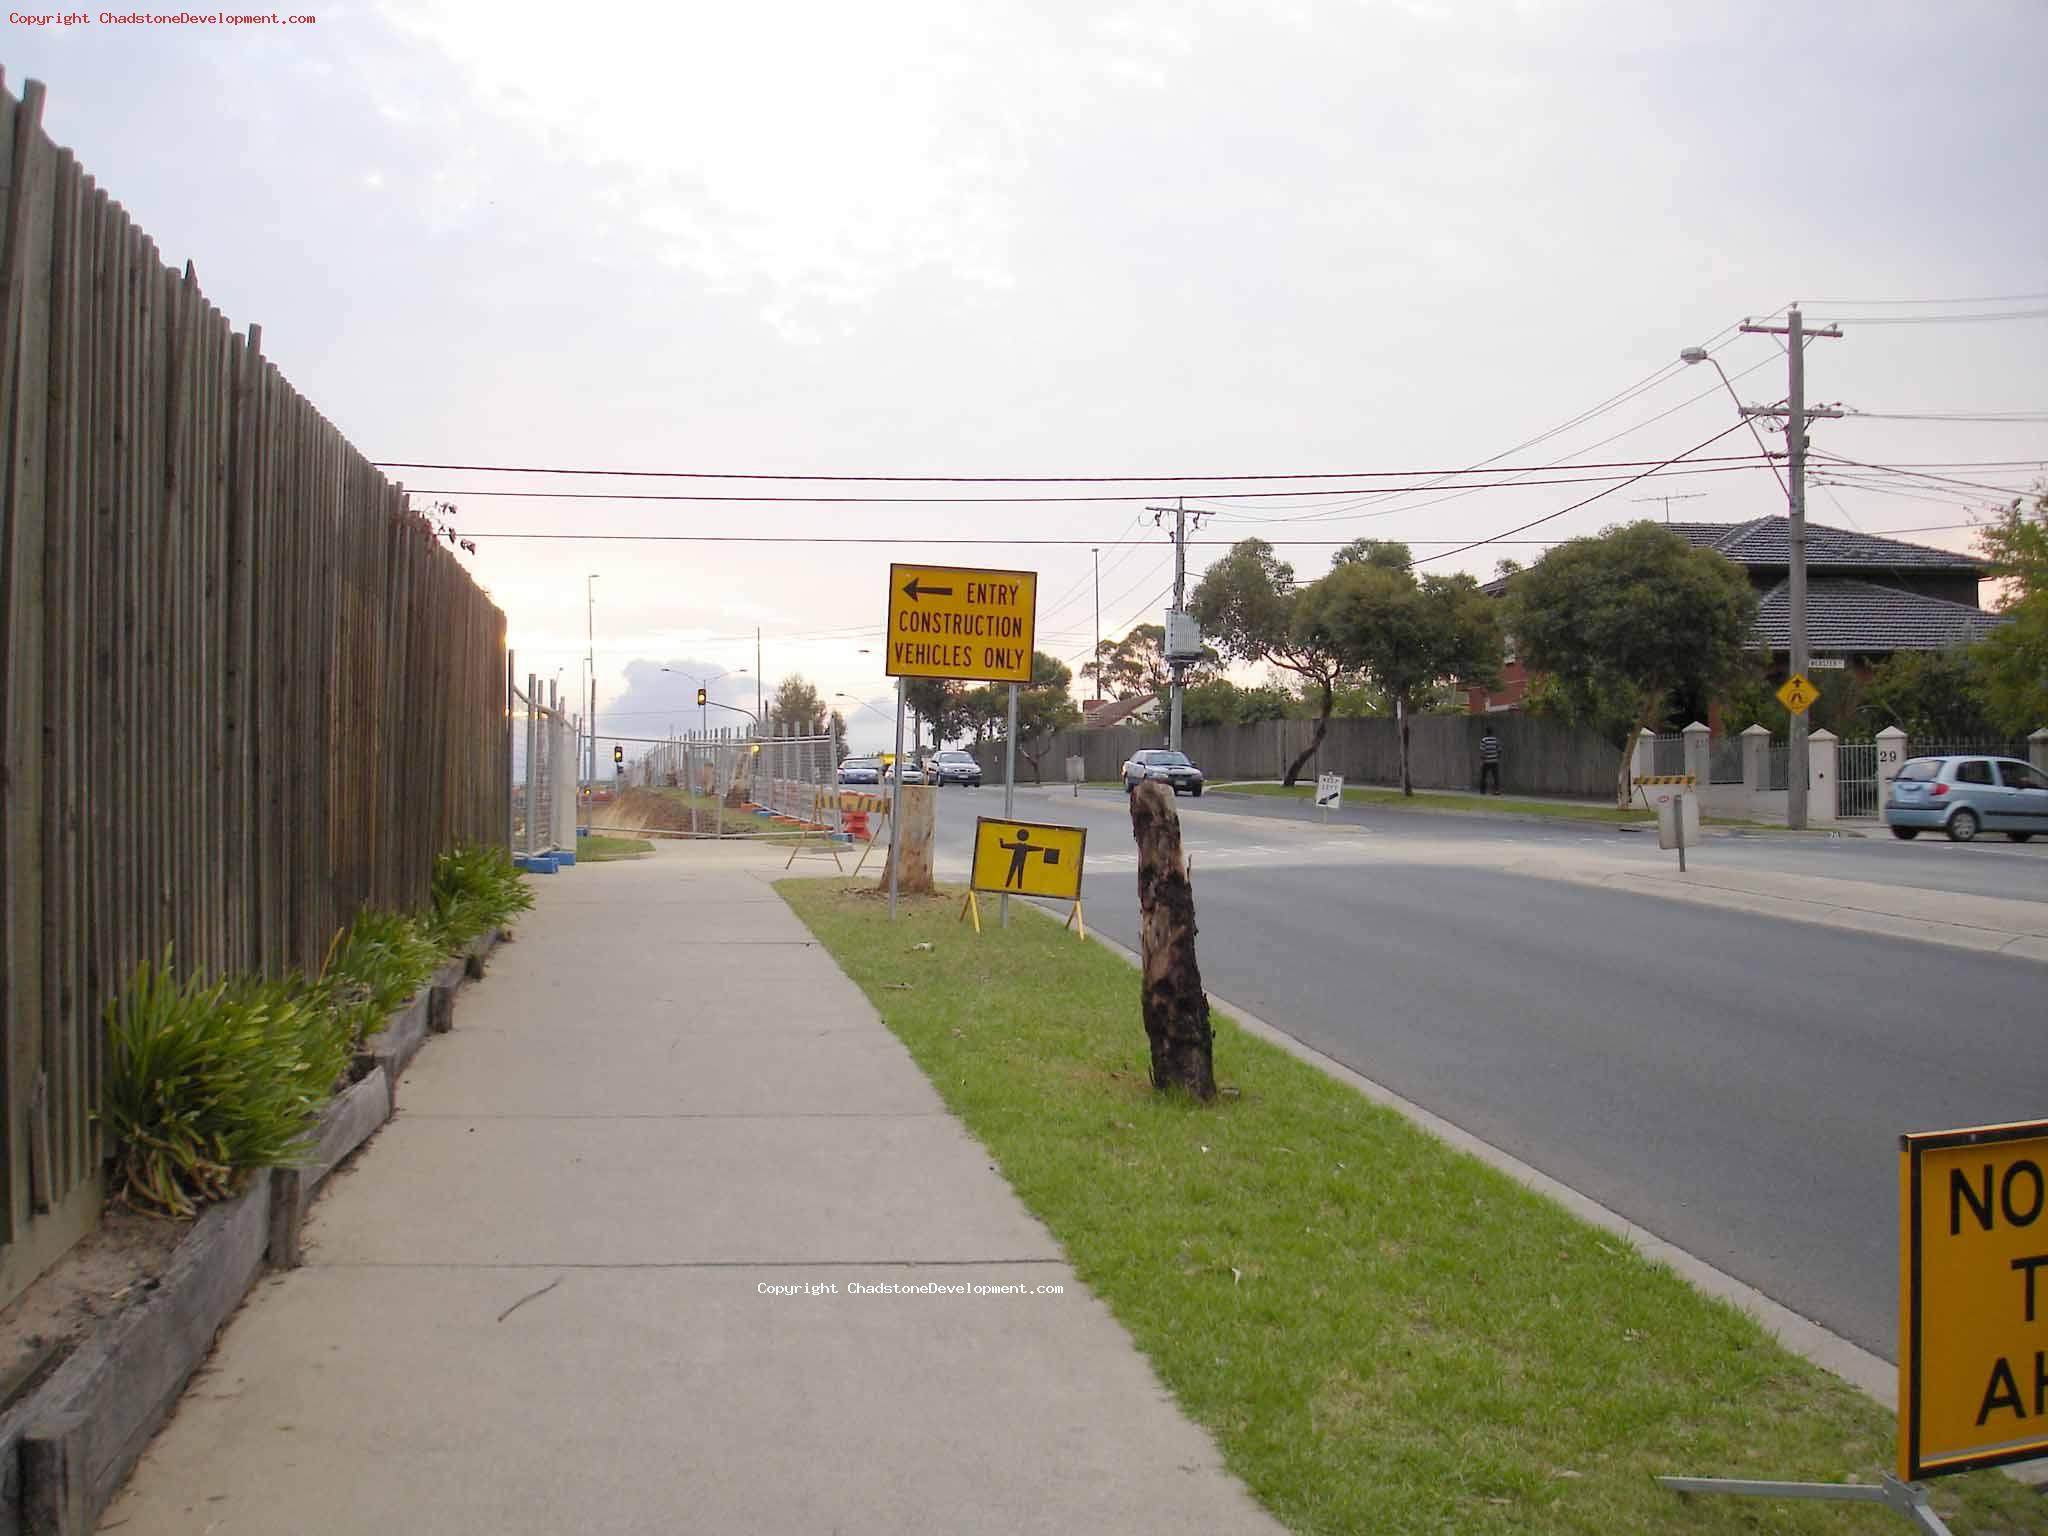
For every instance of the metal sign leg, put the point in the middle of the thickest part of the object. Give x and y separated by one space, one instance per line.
1908 1499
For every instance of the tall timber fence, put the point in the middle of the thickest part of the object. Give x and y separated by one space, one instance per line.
246 691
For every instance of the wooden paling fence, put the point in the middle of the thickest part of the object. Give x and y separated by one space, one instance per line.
246 691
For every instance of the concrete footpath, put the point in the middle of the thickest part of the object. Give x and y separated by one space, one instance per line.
536 1302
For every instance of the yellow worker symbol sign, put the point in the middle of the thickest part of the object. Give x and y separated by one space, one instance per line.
1798 693
1028 858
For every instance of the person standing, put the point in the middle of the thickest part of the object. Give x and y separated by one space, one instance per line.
1489 761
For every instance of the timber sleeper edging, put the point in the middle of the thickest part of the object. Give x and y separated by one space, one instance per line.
69 1445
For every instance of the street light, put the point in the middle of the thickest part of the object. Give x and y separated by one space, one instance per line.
1702 355
864 704
702 684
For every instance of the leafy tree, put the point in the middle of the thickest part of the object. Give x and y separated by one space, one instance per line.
1250 605
1622 621
1927 694
2012 678
985 709
797 705
940 706
1411 637
1219 701
1136 666
1044 709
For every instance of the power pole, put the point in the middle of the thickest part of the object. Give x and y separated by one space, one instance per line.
1097 553
1796 415
590 657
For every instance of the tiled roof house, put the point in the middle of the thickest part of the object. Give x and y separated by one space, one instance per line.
1866 596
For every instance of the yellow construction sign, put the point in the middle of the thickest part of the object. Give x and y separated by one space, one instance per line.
1973 1298
1798 693
1028 858
950 621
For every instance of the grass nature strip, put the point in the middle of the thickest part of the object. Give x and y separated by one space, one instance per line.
1381 1333
598 849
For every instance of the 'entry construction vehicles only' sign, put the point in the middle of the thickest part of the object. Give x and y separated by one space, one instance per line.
948 621
1973 1298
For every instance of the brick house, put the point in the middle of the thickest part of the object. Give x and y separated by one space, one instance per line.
1866 597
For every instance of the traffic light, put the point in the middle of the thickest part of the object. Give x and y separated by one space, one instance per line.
618 755
702 697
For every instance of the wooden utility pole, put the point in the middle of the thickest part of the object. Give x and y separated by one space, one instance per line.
1795 413
1176 1007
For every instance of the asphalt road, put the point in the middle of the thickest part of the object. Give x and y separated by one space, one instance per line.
1735 1084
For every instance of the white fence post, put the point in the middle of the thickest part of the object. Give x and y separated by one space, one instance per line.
1823 802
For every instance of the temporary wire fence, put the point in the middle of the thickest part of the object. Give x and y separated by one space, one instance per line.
547 748
724 785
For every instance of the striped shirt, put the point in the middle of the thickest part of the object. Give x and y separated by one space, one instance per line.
1489 748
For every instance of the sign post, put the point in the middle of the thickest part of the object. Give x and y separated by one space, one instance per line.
1329 792
957 622
1027 858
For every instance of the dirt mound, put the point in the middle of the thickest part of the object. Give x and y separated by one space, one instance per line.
641 810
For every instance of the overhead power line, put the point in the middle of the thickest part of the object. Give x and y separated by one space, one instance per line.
1583 502
1992 298
695 474
1732 463
2002 314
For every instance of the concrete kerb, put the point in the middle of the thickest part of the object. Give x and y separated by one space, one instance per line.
67 1448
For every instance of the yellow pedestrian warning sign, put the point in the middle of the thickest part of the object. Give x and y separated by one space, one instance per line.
1973 1298
1028 858
950 621
1798 693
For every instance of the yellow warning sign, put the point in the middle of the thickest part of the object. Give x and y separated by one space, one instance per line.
1798 693
1973 1298
1028 858
948 621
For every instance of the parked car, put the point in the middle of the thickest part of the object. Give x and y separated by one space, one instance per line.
1963 796
1172 769
953 768
861 770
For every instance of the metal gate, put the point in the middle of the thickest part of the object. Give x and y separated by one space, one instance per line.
1856 783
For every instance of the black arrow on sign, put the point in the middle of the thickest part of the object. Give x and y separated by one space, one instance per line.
913 591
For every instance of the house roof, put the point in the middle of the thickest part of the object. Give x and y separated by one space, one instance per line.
1767 541
1860 618
1115 712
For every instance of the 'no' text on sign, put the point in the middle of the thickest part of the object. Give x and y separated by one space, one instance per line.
949 621
1973 1298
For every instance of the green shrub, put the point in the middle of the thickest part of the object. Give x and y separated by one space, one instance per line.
208 1079
476 888
375 967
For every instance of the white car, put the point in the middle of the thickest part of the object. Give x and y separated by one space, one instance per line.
1173 769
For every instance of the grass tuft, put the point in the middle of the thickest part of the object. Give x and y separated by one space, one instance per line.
476 887
1381 1333
206 1079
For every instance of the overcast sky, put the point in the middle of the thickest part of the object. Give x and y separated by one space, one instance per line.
1048 239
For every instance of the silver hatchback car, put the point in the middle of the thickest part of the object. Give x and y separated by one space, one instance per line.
1963 796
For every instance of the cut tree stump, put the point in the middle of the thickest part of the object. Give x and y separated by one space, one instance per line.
1176 1007
918 805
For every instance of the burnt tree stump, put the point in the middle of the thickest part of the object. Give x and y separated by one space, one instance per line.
1176 1007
